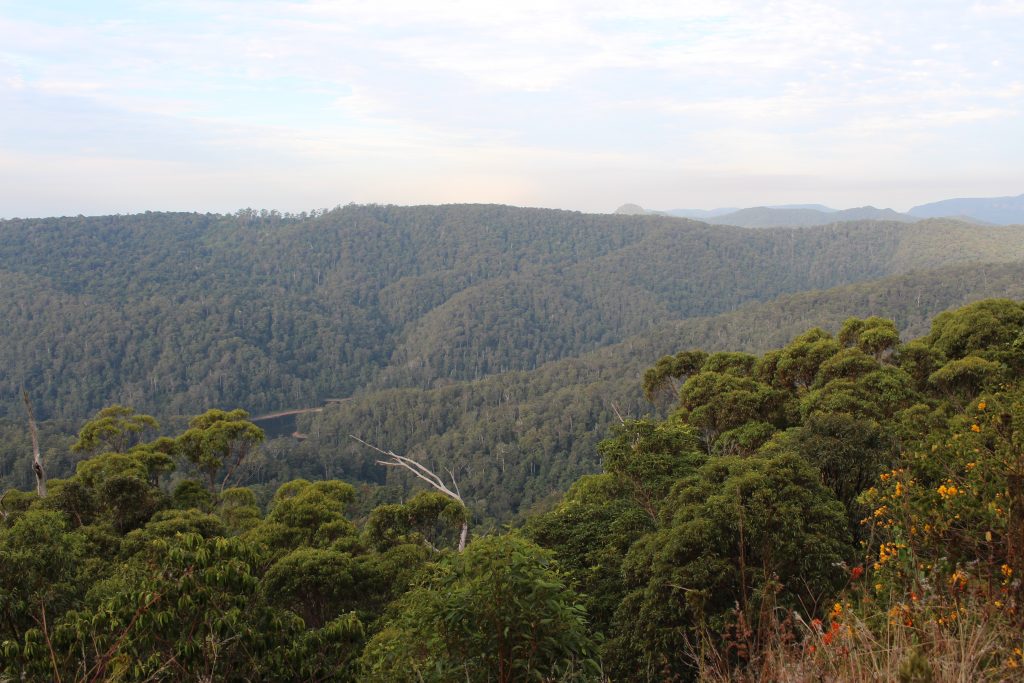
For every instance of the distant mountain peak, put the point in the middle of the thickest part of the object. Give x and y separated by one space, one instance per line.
631 210
997 210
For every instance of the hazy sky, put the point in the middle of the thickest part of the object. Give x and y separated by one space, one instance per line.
122 106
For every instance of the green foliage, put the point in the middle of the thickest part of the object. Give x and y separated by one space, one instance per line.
986 328
115 428
812 425
964 378
114 487
189 493
428 517
306 514
649 458
874 336
951 512
238 509
500 611
184 608
669 370
716 402
737 532
316 584
591 530
848 450
919 360
39 561
169 524
217 442
798 363
101 581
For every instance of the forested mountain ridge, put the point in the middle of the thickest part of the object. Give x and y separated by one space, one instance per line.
518 438
175 312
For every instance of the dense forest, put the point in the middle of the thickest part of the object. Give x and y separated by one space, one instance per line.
844 506
496 341
172 313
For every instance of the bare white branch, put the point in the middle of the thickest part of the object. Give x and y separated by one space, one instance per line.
422 472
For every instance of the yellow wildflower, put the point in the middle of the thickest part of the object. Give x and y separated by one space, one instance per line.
981 405
975 428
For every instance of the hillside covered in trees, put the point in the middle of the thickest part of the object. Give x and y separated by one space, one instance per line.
175 312
844 506
495 341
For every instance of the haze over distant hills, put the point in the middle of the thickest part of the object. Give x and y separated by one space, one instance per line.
994 210
698 214
998 210
790 215
772 217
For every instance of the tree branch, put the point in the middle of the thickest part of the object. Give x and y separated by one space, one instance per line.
396 460
416 468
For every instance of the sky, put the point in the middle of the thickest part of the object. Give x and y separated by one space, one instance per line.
216 105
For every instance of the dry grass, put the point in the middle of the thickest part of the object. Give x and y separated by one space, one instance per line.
975 648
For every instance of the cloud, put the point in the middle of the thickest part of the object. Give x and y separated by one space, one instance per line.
425 98
1004 8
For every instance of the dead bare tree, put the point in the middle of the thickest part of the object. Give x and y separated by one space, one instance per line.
37 459
395 460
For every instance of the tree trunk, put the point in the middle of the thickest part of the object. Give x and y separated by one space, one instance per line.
37 459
